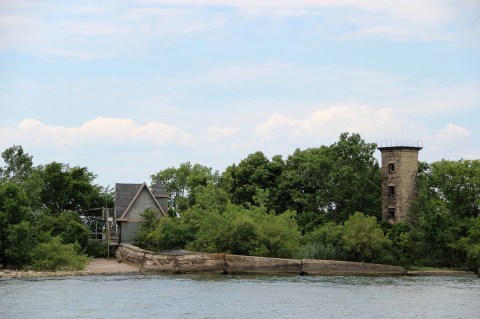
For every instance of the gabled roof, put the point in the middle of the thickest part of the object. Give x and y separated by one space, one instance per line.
127 195
124 193
159 190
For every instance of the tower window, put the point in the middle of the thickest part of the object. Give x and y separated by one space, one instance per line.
391 167
391 191
391 213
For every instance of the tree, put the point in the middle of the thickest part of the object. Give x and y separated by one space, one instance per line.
18 164
13 211
363 238
144 238
331 183
67 226
325 242
71 189
447 201
55 255
180 183
19 169
21 240
251 174
458 184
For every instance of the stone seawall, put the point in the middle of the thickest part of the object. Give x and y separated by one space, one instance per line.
234 264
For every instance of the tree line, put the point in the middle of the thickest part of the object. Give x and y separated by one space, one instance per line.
322 202
42 225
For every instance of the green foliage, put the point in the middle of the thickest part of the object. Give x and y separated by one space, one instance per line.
97 249
18 165
457 183
68 226
13 212
55 255
151 221
20 242
39 202
235 229
170 233
67 188
180 183
330 183
259 206
364 240
442 215
470 244
254 173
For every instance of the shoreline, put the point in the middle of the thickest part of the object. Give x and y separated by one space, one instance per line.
103 266
97 266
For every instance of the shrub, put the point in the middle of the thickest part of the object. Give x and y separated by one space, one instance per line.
97 248
364 240
55 255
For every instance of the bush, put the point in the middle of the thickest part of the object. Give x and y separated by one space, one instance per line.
67 225
97 248
55 255
364 240
323 243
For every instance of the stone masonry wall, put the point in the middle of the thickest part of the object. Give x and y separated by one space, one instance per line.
403 179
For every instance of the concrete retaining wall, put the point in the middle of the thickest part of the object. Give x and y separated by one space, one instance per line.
151 261
234 264
249 264
335 267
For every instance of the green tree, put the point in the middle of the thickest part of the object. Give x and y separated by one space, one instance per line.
18 164
144 238
470 244
21 240
180 183
325 242
331 183
71 189
458 184
253 173
13 211
364 239
55 255
447 201
67 226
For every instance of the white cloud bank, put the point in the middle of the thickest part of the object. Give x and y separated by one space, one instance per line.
452 133
329 122
98 130
92 31
217 133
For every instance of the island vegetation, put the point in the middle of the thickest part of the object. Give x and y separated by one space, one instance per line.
322 203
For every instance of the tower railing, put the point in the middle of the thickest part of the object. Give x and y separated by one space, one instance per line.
401 143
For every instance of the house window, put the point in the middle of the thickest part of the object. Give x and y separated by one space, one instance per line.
391 167
391 213
391 191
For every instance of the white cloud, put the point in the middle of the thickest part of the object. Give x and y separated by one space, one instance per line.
330 121
113 29
452 133
217 133
99 130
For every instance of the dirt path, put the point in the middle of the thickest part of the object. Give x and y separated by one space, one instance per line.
94 267
110 266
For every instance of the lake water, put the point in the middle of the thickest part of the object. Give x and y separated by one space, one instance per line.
222 296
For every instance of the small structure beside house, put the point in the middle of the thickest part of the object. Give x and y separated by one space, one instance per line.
131 200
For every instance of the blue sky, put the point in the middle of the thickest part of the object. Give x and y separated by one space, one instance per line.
127 88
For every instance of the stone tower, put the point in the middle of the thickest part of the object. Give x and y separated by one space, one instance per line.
399 177
161 195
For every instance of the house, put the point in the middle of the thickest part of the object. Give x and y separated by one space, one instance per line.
131 200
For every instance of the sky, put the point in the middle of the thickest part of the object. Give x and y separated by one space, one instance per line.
129 88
